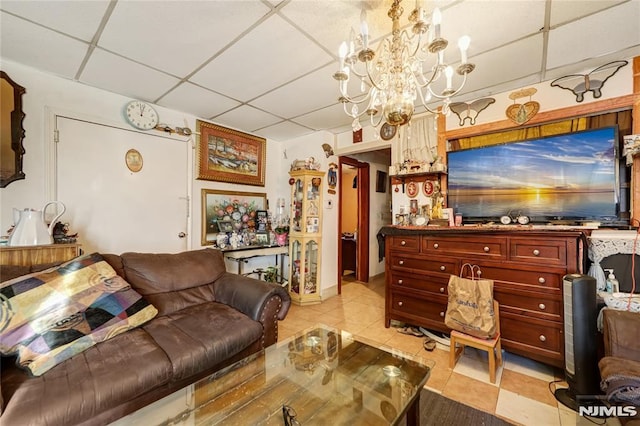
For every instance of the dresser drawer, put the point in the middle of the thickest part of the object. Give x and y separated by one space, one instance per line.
431 283
546 335
528 303
539 278
433 309
545 252
405 243
442 266
486 247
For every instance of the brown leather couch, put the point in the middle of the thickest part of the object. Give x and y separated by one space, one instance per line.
620 367
207 319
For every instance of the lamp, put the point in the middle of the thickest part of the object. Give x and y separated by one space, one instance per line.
397 74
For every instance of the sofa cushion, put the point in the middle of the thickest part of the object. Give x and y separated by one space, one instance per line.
172 282
104 376
50 316
202 336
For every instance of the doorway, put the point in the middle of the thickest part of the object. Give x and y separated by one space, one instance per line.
353 220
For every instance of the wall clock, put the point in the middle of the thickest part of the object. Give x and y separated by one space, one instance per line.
141 115
387 131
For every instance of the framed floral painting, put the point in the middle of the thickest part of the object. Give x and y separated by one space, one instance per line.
227 155
228 211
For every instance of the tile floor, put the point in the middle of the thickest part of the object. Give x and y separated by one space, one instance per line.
520 395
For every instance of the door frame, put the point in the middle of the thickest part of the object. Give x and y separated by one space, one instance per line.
362 240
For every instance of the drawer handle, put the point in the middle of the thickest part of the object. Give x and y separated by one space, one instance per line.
442 314
541 280
479 272
542 306
436 245
536 252
401 262
442 267
403 243
399 281
441 289
486 249
399 303
542 338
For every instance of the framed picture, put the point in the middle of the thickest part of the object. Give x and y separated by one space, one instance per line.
381 181
228 211
262 239
262 221
227 155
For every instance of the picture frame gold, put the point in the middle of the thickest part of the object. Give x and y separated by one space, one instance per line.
228 211
226 155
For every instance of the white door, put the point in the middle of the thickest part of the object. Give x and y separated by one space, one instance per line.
113 209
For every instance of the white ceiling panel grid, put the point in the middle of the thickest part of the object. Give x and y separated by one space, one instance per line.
266 65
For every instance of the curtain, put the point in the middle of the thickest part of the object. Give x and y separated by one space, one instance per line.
418 140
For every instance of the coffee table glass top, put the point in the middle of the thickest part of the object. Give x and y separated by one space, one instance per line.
322 375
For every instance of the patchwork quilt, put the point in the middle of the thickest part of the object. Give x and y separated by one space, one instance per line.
50 316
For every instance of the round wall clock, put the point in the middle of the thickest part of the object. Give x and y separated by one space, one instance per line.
141 115
387 131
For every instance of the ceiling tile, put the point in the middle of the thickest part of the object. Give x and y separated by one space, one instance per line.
267 57
37 47
566 11
332 116
248 118
196 100
113 73
177 36
490 24
76 18
595 36
284 131
308 93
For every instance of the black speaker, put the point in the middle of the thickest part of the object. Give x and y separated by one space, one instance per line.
580 341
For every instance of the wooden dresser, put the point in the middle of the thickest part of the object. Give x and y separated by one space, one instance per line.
527 267
34 255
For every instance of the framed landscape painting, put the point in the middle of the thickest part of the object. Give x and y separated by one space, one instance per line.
227 155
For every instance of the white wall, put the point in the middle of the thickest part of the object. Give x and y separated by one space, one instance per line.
46 93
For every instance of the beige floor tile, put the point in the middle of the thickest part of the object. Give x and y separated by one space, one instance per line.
527 386
474 363
377 332
528 366
409 344
526 411
438 378
472 392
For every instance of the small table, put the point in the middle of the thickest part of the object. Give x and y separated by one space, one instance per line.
327 376
241 254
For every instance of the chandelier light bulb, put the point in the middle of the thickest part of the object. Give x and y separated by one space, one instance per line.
448 72
436 21
342 53
463 44
364 29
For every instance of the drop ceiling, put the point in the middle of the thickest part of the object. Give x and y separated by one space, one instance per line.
266 67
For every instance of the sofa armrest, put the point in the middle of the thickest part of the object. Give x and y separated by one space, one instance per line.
259 300
620 330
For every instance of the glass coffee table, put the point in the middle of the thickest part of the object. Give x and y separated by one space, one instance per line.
320 376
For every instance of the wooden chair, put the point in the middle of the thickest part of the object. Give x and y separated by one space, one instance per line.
492 346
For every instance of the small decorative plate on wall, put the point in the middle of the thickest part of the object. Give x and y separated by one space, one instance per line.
427 188
412 189
133 159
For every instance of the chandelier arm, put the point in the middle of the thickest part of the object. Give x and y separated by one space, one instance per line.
355 100
371 79
424 104
349 114
452 93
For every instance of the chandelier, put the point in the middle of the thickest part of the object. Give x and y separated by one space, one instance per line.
398 73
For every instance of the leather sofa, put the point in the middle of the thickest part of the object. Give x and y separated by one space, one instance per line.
207 319
620 367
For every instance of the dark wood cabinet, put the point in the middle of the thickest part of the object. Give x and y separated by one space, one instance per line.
526 265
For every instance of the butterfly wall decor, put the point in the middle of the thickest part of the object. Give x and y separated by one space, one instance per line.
593 81
470 110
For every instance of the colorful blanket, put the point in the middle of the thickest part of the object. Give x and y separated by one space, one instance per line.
50 316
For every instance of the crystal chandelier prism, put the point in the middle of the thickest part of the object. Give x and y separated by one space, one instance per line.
401 71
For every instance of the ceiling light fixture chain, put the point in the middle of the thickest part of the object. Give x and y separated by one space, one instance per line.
397 74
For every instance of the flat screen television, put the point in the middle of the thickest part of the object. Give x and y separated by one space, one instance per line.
565 178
